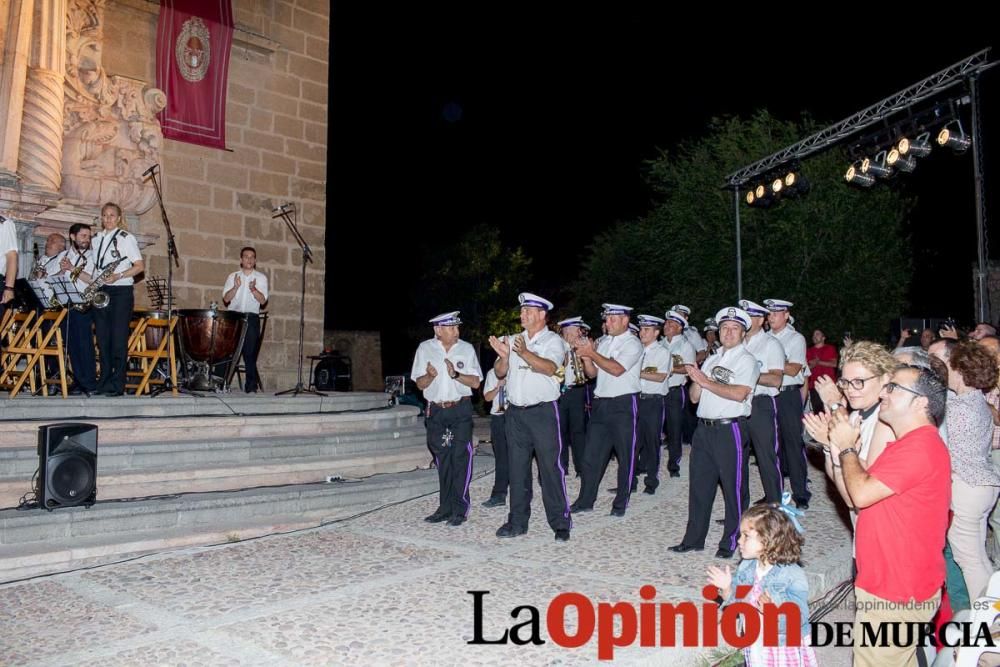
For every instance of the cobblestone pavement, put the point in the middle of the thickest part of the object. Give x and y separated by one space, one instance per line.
385 589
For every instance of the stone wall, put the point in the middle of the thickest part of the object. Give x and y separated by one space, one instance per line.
365 350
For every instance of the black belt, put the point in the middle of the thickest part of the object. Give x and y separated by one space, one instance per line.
450 404
651 396
791 387
528 407
720 422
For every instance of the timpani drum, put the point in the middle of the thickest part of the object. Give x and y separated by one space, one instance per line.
211 341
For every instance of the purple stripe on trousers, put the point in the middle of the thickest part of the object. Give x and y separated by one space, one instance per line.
631 465
739 483
562 473
663 420
683 397
777 455
468 480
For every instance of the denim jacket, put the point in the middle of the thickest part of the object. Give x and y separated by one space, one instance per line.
783 583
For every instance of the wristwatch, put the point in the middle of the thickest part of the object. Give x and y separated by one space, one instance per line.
836 405
454 376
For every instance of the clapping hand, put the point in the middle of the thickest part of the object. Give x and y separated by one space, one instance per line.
431 371
844 432
500 347
721 577
237 282
253 285
818 426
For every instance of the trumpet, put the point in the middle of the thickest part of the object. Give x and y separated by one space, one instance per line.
579 377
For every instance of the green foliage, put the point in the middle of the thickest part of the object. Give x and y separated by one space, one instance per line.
839 253
477 275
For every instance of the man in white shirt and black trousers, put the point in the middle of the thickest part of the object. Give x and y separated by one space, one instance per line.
615 364
722 389
680 350
575 400
789 399
78 260
654 370
446 369
763 424
8 261
246 291
531 362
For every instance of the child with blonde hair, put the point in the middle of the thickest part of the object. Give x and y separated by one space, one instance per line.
771 546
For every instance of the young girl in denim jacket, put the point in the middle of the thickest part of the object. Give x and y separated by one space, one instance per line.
771 547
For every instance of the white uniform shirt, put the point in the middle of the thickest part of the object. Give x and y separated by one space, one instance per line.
683 348
743 371
443 388
795 352
626 349
50 264
76 259
109 246
526 387
771 356
244 301
656 357
489 384
693 337
8 241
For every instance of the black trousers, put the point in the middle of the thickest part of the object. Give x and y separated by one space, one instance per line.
676 403
536 431
612 428
763 428
717 455
649 426
251 345
790 426
449 437
111 326
498 436
80 343
573 419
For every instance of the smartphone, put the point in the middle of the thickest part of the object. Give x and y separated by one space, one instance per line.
847 334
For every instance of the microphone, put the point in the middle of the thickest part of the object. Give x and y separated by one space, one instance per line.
150 170
280 209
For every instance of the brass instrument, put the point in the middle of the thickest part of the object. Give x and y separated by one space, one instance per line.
91 294
579 377
678 360
501 399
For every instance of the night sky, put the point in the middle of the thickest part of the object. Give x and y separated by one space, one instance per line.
538 122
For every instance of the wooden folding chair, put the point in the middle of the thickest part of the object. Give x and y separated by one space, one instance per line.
149 359
32 347
18 327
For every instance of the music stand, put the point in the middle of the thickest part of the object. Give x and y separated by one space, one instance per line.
44 293
156 290
65 291
283 213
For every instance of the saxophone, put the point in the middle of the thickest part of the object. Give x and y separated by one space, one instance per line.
91 294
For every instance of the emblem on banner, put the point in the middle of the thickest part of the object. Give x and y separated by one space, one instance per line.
192 50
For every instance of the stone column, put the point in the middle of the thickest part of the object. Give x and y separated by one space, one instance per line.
15 38
40 156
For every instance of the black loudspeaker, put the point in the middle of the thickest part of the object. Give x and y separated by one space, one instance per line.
67 465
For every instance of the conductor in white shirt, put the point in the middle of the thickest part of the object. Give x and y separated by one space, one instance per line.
246 291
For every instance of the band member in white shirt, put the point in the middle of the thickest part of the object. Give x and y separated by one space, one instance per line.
723 390
115 251
495 391
77 263
681 353
574 404
446 370
530 362
615 364
8 262
246 291
653 374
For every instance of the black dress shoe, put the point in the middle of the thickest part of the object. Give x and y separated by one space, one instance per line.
507 530
74 391
675 474
648 491
437 517
684 548
576 509
802 504
562 535
456 520
724 553
114 393
617 511
495 501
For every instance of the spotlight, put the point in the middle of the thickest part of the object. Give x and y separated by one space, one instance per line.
957 142
751 197
855 177
776 185
760 191
897 160
795 184
919 147
876 167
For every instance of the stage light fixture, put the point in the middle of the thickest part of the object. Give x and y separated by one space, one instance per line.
777 185
919 147
876 167
897 160
855 177
957 141
751 197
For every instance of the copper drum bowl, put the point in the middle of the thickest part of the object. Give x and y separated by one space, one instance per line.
201 343
153 335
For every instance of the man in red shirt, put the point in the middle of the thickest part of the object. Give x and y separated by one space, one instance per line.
903 498
822 360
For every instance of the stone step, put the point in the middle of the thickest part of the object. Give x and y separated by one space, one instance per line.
22 433
152 469
25 407
36 541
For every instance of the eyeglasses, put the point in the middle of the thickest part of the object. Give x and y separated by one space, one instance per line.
893 386
856 383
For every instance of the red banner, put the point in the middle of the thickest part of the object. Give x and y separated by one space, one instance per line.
192 68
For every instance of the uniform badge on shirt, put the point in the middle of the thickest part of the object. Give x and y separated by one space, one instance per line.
460 364
722 375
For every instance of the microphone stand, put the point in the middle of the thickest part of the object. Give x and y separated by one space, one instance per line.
282 212
172 254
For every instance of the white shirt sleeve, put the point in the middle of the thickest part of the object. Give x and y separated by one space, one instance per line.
419 363
8 239
796 350
228 285
630 353
262 286
774 355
